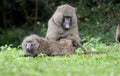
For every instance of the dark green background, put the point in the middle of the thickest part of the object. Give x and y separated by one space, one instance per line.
96 18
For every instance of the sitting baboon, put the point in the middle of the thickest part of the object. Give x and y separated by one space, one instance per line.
34 45
117 35
62 23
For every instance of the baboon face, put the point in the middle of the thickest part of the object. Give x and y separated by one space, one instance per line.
66 22
30 44
65 16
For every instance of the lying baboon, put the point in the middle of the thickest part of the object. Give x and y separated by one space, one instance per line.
117 35
34 45
62 23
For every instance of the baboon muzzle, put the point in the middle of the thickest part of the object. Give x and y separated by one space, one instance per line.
66 23
29 47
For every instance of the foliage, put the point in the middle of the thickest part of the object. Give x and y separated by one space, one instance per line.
95 18
16 35
12 64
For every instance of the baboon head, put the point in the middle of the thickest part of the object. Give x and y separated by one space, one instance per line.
65 16
30 43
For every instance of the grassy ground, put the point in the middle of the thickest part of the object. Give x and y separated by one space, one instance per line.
11 64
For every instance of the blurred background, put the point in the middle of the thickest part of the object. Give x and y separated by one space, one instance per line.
19 18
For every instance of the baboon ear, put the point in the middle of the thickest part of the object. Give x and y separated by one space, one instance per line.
58 18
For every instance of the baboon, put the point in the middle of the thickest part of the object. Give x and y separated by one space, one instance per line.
34 45
67 45
62 23
117 34
73 39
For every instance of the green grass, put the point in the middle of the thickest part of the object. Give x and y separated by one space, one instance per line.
11 64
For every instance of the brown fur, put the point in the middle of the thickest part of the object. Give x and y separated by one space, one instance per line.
73 39
55 30
68 47
117 34
49 47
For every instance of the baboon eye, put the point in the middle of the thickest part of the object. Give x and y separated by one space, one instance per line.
32 44
29 41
